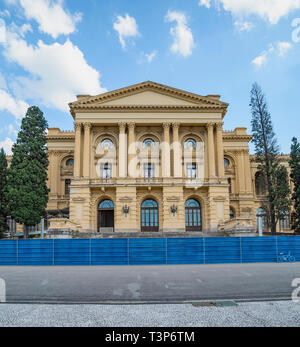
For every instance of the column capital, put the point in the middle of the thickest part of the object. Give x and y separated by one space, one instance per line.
131 125
77 126
122 126
210 125
219 125
176 125
87 126
166 125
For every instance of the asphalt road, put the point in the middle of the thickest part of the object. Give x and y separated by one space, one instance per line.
151 284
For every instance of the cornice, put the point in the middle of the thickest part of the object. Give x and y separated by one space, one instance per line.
149 86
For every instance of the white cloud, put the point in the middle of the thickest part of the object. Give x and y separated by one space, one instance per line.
57 72
271 10
126 28
4 13
243 25
22 30
16 107
52 18
183 36
283 48
7 145
150 56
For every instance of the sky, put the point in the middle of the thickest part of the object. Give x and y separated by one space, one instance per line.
52 50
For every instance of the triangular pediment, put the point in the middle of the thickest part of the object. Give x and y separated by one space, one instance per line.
147 94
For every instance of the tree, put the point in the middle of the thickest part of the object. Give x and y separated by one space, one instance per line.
3 192
27 175
267 157
295 176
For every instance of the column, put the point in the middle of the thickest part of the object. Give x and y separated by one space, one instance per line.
211 150
220 150
132 169
177 159
77 152
166 151
87 150
56 173
248 180
122 150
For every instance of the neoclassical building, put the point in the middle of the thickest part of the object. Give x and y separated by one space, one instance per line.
151 158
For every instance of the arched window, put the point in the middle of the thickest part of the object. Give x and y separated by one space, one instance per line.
107 144
260 184
226 163
190 143
284 224
148 143
106 216
149 216
193 218
231 213
70 162
106 204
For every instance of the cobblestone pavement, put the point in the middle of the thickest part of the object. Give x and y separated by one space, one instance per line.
260 314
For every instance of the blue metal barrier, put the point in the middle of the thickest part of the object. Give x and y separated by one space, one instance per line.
156 251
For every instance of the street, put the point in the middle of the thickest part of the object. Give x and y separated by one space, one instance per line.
149 284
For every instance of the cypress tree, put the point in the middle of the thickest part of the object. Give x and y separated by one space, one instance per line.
27 176
3 192
267 157
295 176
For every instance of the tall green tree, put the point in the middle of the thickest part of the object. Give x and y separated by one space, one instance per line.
27 175
295 176
3 192
267 157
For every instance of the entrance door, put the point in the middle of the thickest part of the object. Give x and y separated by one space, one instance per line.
106 216
149 216
193 221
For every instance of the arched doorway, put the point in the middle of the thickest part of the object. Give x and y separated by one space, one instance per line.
261 221
149 216
106 216
193 218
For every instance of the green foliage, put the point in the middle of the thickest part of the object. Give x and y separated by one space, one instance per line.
281 192
3 192
27 176
295 176
267 152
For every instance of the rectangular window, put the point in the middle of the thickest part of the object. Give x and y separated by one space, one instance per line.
67 187
106 171
149 170
191 171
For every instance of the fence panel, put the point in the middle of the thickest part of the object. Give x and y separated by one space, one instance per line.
109 252
71 252
222 250
147 251
35 252
259 249
185 251
289 244
157 251
8 252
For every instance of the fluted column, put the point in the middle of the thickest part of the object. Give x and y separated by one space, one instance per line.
166 151
122 150
211 150
177 159
56 173
87 149
220 150
131 150
77 152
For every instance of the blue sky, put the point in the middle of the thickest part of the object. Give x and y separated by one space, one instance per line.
51 50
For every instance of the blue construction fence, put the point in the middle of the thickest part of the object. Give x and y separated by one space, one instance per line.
160 251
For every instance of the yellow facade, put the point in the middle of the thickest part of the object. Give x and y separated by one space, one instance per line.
152 142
